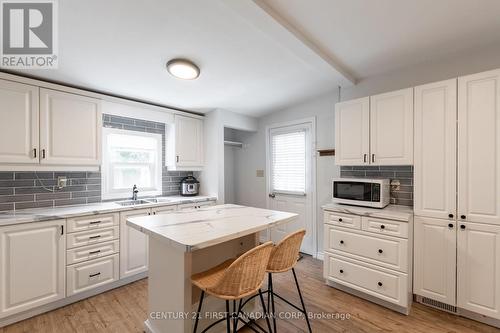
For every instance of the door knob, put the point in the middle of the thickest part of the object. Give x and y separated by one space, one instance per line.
272 195
382 226
462 226
450 225
450 216
463 217
380 284
380 251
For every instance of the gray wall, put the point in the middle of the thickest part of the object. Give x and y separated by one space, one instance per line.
20 190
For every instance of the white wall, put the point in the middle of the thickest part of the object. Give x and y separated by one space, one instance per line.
212 176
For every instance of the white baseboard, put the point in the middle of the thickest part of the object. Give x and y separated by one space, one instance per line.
320 256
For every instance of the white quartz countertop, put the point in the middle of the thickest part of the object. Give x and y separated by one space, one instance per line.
44 214
391 212
196 229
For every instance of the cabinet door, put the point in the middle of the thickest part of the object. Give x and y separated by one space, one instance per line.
479 268
391 128
188 141
133 245
479 147
70 129
435 259
435 149
32 265
352 132
18 123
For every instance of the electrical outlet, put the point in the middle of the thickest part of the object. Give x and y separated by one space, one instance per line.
260 173
62 182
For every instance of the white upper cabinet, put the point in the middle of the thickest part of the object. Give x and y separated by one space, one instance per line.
479 268
352 132
479 147
435 149
32 266
376 130
70 129
18 123
391 128
185 140
435 259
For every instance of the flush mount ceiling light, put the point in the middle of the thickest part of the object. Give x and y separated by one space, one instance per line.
183 69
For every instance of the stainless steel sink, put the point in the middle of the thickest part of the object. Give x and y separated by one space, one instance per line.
133 202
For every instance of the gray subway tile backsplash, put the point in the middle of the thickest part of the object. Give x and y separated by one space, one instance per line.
21 190
403 173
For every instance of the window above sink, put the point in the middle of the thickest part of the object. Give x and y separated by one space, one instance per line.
131 158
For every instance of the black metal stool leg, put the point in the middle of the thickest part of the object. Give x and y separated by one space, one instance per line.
302 300
273 311
198 314
265 311
228 318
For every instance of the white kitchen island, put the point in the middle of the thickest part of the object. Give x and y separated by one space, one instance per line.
187 242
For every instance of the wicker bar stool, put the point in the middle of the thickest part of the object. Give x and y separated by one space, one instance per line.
233 280
283 259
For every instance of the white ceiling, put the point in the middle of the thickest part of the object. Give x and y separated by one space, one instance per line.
370 37
256 58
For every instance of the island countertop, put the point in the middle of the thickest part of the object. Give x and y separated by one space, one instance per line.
200 228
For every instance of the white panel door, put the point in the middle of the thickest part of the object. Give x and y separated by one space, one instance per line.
18 123
32 266
133 245
70 129
479 147
352 132
188 141
435 259
479 268
391 128
290 183
435 149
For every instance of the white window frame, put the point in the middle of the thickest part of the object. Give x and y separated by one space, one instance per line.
106 193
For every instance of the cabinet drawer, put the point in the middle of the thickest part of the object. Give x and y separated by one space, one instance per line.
385 227
91 274
381 283
91 237
387 251
343 220
89 252
92 222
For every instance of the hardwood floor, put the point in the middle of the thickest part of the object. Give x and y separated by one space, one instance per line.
124 310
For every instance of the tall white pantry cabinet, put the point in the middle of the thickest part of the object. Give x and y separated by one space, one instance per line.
457 193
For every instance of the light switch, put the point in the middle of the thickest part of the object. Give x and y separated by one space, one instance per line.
260 173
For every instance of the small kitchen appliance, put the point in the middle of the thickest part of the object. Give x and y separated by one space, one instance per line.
190 186
362 192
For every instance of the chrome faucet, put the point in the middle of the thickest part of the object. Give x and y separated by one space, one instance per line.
134 192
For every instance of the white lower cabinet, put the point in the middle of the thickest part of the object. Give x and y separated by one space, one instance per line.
32 265
93 273
371 256
435 259
133 245
479 268
461 259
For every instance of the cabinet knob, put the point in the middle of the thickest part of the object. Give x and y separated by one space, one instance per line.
341 242
380 251
341 271
450 216
382 226
463 217
379 284
462 226
450 225
340 219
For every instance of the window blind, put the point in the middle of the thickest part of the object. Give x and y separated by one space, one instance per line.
288 158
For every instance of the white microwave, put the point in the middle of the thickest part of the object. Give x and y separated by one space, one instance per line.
362 192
